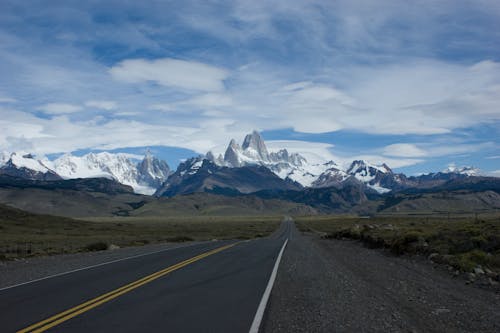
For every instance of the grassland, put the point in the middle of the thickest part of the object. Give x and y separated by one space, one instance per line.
462 242
25 234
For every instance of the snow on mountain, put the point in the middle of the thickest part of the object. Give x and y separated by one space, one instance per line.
24 165
152 171
149 174
144 177
296 167
466 170
253 151
333 175
27 161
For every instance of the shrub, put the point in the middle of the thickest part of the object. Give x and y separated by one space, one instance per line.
97 246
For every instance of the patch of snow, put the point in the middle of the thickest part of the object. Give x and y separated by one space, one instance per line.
466 170
305 179
379 188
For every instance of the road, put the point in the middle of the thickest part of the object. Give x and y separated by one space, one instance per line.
321 286
209 287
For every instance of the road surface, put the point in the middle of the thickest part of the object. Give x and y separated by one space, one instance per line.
321 286
209 287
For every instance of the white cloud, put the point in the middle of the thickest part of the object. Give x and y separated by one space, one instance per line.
168 72
7 100
455 148
391 162
404 150
60 108
494 173
104 105
210 100
169 107
314 152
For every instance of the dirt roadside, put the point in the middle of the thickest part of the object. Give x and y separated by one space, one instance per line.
340 286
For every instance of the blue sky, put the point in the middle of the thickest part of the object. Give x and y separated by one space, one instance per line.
416 85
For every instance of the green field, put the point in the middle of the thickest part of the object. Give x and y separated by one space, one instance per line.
463 242
25 234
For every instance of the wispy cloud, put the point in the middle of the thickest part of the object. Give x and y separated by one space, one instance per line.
176 73
104 105
7 100
60 108
404 150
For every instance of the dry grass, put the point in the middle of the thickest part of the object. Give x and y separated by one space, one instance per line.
463 242
23 234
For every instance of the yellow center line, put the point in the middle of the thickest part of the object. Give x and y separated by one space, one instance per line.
86 306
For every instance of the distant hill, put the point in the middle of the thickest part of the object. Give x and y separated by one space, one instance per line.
100 197
103 185
220 205
71 198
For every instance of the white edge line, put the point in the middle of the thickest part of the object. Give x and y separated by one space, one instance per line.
265 297
94 266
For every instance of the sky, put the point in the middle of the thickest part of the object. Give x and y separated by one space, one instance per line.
413 84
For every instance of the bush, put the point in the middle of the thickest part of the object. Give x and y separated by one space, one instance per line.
179 239
97 246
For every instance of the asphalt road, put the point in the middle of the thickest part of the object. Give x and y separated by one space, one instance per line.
176 290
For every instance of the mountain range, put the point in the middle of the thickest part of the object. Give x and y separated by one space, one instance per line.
144 176
246 168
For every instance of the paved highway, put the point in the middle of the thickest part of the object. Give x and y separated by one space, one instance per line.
210 287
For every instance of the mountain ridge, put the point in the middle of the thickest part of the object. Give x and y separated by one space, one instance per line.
153 176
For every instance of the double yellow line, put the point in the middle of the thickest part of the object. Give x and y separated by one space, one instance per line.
84 307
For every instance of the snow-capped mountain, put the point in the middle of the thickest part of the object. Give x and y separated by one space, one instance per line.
253 151
295 167
293 170
152 171
199 174
466 170
26 166
144 176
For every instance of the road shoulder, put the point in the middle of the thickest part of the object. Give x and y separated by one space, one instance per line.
336 285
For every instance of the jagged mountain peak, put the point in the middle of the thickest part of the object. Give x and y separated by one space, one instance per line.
465 170
152 171
362 166
253 144
254 151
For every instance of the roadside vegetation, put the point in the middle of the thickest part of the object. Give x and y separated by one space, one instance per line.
464 243
24 234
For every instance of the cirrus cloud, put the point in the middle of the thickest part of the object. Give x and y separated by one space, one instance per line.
191 75
104 105
60 108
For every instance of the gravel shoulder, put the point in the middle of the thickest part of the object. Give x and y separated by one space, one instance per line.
25 270
341 286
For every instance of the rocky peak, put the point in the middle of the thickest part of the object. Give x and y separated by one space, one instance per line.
219 160
152 171
254 144
231 156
